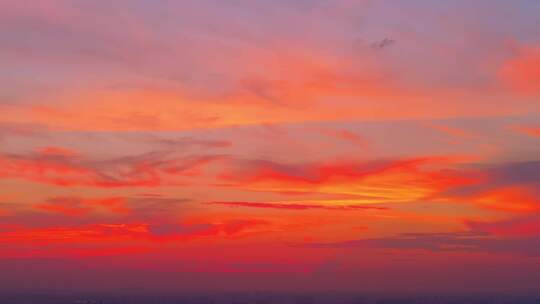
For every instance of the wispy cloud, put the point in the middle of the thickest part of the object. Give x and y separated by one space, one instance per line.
441 242
58 167
299 206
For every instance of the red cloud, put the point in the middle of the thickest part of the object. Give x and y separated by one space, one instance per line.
76 206
522 226
298 206
64 168
522 73
57 151
66 207
118 237
516 199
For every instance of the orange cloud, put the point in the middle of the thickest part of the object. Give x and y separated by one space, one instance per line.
58 151
295 85
298 206
45 170
68 208
64 168
516 199
369 182
77 207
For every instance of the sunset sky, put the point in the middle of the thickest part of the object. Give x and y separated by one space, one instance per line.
280 145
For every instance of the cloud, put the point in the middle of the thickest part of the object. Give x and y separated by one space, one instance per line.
441 242
154 209
5 209
511 187
177 229
527 226
167 142
527 130
389 181
70 226
61 168
187 142
64 206
382 44
71 211
72 206
455 133
9 130
226 229
348 136
522 72
119 74
57 151
516 173
124 233
298 206
318 173
512 199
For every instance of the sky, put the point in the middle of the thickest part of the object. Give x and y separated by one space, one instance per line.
283 146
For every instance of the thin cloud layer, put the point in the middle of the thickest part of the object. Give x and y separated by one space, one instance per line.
270 145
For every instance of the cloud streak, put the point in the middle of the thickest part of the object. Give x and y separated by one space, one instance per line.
444 242
56 167
298 206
